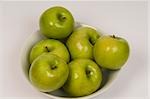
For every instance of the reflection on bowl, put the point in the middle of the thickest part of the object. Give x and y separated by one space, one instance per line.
108 76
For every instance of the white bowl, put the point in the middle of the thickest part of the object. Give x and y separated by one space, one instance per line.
109 76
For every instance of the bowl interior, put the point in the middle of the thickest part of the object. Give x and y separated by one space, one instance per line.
108 76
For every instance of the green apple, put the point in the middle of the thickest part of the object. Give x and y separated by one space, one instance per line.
81 41
111 52
49 46
56 22
48 72
84 78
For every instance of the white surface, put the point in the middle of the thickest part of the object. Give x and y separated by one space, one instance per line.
125 19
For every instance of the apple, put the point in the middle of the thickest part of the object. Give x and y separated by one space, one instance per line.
84 78
48 72
49 46
111 52
81 41
56 22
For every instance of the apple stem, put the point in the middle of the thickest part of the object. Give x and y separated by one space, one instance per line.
88 72
53 67
47 49
113 36
62 18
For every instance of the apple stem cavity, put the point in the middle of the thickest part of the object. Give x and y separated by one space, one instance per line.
91 41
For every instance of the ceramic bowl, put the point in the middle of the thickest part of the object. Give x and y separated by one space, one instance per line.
108 76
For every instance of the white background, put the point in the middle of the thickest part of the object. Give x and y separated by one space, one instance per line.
125 19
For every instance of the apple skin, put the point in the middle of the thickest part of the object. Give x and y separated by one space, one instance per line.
49 46
111 52
48 72
84 78
56 22
81 41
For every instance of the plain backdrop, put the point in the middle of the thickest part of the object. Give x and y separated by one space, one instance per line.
126 19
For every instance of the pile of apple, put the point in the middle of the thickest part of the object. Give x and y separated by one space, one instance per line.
74 64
